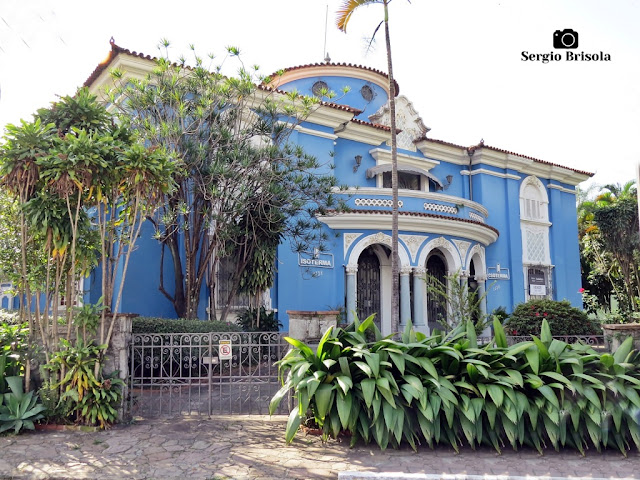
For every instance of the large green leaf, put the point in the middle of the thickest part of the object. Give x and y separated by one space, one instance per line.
496 394
499 335
398 360
368 389
293 423
304 349
622 352
344 383
323 398
533 357
344 403
545 332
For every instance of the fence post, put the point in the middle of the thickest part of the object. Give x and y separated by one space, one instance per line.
117 357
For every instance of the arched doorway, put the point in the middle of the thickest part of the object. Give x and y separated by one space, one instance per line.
368 286
436 279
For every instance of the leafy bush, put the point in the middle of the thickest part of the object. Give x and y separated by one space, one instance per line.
448 389
268 321
91 398
13 348
165 325
20 410
563 319
10 317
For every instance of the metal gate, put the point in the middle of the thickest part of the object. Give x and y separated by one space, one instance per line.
205 373
436 304
368 285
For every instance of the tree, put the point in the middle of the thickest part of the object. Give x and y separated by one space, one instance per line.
239 180
345 12
83 184
608 229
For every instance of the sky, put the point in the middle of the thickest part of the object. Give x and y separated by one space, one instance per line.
460 62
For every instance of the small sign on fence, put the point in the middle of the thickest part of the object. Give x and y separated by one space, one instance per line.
224 351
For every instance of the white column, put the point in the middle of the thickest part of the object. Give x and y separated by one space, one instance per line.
482 288
418 306
405 297
352 271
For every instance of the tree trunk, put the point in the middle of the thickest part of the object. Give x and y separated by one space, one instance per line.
395 268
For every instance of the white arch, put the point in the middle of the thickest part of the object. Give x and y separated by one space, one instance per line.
373 239
448 250
477 255
534 200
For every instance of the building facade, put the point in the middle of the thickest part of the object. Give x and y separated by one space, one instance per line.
501 223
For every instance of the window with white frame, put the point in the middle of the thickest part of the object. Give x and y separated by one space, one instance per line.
534 227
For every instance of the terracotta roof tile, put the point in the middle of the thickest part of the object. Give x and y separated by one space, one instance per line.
379 126
496 149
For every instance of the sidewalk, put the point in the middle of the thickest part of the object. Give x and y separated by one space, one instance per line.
252 447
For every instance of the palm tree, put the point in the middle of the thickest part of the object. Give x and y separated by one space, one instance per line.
344 15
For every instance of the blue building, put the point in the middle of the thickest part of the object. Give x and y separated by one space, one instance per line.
503 222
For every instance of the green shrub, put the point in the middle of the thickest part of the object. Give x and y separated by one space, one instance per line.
446 389
563 319
13 348
165 325
268 321
10 317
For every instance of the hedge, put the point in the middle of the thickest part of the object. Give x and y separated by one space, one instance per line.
182 325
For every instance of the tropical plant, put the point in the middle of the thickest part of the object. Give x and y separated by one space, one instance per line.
240 180
345 12
449 389
20 409
84 184
258 320
13 350
91 398
563 319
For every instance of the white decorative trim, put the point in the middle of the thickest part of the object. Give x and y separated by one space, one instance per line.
383 157
447 248
444 226
463 246
484 171
376 202
480 266
315 133
419 271
413 243
562 189
437 207
373 239
362 133
351 269
476 217
405 270
440 197
408 122
348 239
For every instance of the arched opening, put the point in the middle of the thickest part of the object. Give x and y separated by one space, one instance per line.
369 283
436 280
473 292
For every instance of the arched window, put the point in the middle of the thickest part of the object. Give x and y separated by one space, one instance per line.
534 226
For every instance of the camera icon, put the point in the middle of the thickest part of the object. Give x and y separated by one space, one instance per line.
566 38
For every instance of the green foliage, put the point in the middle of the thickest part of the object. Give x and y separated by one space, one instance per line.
447 389
563 319
90 398
13 349
17 409
266 322
241 184
182 325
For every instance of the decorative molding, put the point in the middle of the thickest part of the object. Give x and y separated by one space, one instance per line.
484 171
413 243
362 133
481 265
348 239
383 157
440 197
445 226
463 246
562 189
481 278
405 270
476 217
408 122
437 207
419 271
376 202
374 239
447 248
315 133
351 269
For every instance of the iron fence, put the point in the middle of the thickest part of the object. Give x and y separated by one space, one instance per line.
598 342
205 373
